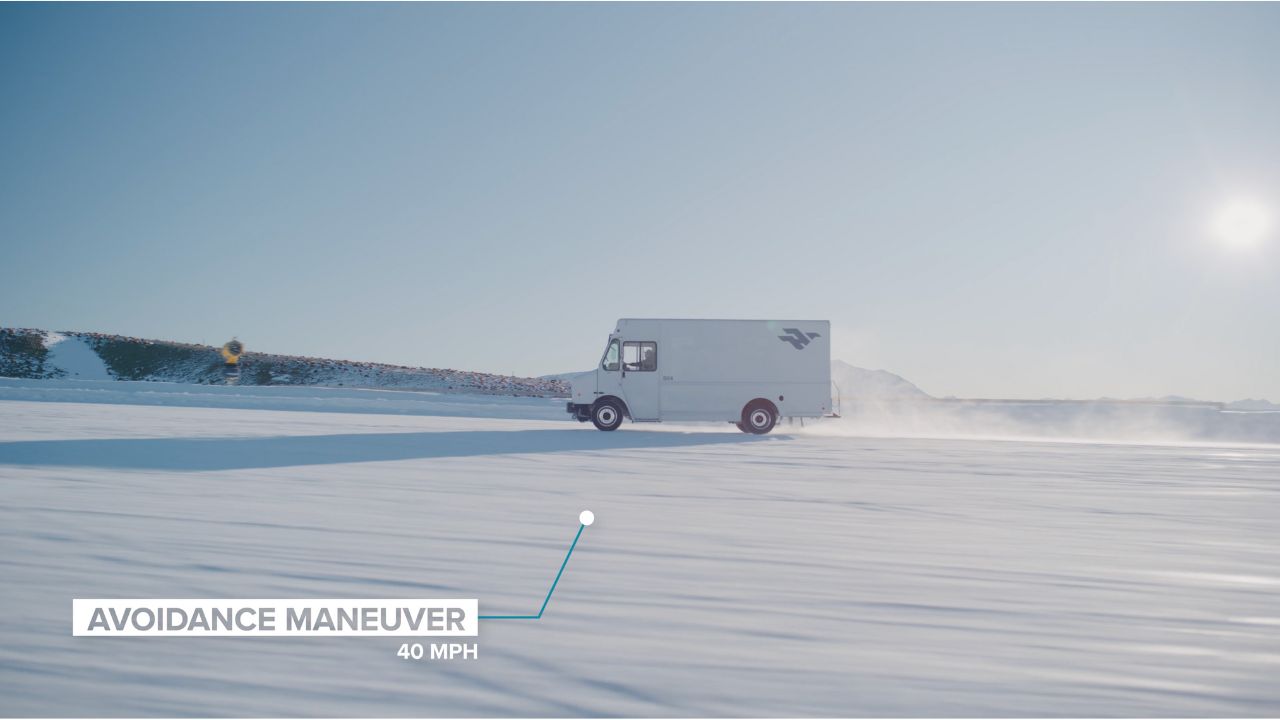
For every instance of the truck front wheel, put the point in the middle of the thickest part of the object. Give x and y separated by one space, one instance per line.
606 415
758 417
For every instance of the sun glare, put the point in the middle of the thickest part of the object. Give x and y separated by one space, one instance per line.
1241 224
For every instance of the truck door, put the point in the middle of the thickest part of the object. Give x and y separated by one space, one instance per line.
640 379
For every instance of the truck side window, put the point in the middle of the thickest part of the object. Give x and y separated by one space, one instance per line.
610 361
640 356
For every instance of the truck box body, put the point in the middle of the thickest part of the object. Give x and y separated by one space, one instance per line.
662 369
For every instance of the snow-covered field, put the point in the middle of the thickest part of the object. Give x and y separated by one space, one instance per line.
804 573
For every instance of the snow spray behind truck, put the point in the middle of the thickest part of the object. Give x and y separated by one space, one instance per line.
747 372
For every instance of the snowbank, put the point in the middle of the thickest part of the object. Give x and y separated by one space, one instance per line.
314 399
73 357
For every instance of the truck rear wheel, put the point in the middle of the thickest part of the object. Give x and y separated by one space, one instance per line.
758 417
606 415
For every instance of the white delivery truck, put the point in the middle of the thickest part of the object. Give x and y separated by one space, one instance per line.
747 372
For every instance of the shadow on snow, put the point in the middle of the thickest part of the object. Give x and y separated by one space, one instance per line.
267 452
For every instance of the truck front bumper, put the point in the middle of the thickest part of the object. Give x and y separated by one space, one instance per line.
581 413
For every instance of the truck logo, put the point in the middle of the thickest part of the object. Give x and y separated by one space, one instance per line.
799 340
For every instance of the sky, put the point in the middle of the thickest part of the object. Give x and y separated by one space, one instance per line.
998 200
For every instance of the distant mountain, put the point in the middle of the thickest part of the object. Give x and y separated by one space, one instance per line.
1247 404
1251 404
1164 398
39 354
857 383
564 377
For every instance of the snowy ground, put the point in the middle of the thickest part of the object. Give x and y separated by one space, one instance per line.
802 573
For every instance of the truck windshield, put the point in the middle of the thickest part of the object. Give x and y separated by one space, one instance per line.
610 361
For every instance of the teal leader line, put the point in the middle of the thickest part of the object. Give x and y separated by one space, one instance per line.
555 582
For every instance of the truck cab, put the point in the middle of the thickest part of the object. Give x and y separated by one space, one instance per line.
626 378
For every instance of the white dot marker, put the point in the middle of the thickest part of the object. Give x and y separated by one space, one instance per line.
587 517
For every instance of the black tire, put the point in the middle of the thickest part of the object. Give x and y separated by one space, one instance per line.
759 417
606 415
